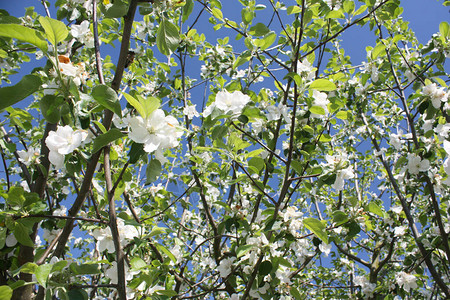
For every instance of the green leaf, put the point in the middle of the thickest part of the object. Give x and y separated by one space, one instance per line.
107 97
247 15
153 170
22 235
106 138
136 151
217 13
257 162
24 34
187 10
49 105
265 268
117 10
10 95
167 252
267 41
349 6
378 50
29 268
343 115
136 104
323 85
137 263
259 30
318 110
85 269
375 209
243 249
339 217
56 31
293 10
444 29
168 293
77 294
295 77
295 293
149 105
2 237
167 37
317 227
5 292
58 266
42 273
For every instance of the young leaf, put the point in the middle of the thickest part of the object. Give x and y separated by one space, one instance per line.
106 138
5 292
42 273
317 227
149 105
153 170
323 85
259 30
117 10
49 105
24 34
318 110
136 104
56 31
293 10
243 249
107 97
187 10
167 37
22 236
167 252
10 95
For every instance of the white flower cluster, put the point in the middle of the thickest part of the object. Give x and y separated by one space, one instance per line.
228 102
437 95
340 164
64 141
321 100
157 132
67 68
417 164
406 281
83 34
105 240
29 156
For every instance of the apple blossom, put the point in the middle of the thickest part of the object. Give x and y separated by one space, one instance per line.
157 132
406 281
228 102
63 141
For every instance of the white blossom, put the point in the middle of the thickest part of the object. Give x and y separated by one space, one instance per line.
437 95
321 100
190 112
157 132
83 34
228 102
416 164
63 141
406 281
27 157
224 267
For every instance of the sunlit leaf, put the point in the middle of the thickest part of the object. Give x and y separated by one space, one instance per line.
56 31
10 95
24 34
317 227
167 37
107 97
